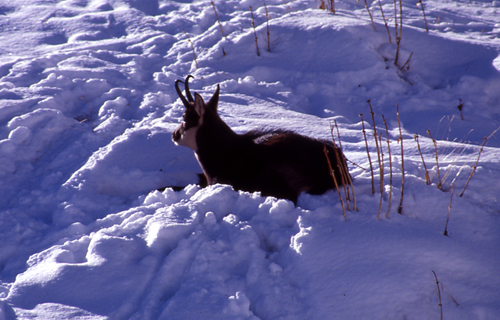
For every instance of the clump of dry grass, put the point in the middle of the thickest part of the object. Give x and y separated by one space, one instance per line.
334 179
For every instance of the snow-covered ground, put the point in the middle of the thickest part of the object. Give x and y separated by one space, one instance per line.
87 108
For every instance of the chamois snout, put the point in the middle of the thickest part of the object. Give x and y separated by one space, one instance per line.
176 135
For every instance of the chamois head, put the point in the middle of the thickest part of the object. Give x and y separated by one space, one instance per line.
192 119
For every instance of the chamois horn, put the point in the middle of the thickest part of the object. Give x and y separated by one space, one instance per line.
186 88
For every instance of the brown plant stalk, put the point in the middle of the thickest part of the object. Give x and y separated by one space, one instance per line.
192 46
268 33
407 63
477 161
400 139
427 179
440 184
449 210
255 32
381 177
439 295
368 152
370 14
217 16
375 135
390 168
423 11
334 179
341 168
385 21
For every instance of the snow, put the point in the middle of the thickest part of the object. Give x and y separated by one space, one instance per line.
87 108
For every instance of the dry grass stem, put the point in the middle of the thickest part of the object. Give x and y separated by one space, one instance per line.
427 179
375 135
217 16
400 140
255 32
287 6
396 29
192 47
390 167
475 166
400 19
439 294
440 184
385 21
381 176
368 152
460 108
332 6
370 14
341 170
423 11
407 63
398 33
268 33
449 210
334 179
477 161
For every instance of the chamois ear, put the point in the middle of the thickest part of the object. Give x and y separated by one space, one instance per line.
199 104
214 101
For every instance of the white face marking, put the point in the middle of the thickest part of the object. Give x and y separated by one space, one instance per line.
188 137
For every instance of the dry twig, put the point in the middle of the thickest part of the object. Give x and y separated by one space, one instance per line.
334 179
439 294
427 179
381 177
400 208
477 161
370 14
398 33
423 11
475 166
217 16
385 22
460 107
440 184
341 170
268 33
375 135
368 152
390 168
449 210
255 32
407 63
192 46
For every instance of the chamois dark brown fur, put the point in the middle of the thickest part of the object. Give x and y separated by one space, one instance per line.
276 162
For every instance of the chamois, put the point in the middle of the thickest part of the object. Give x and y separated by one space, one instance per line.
276 162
